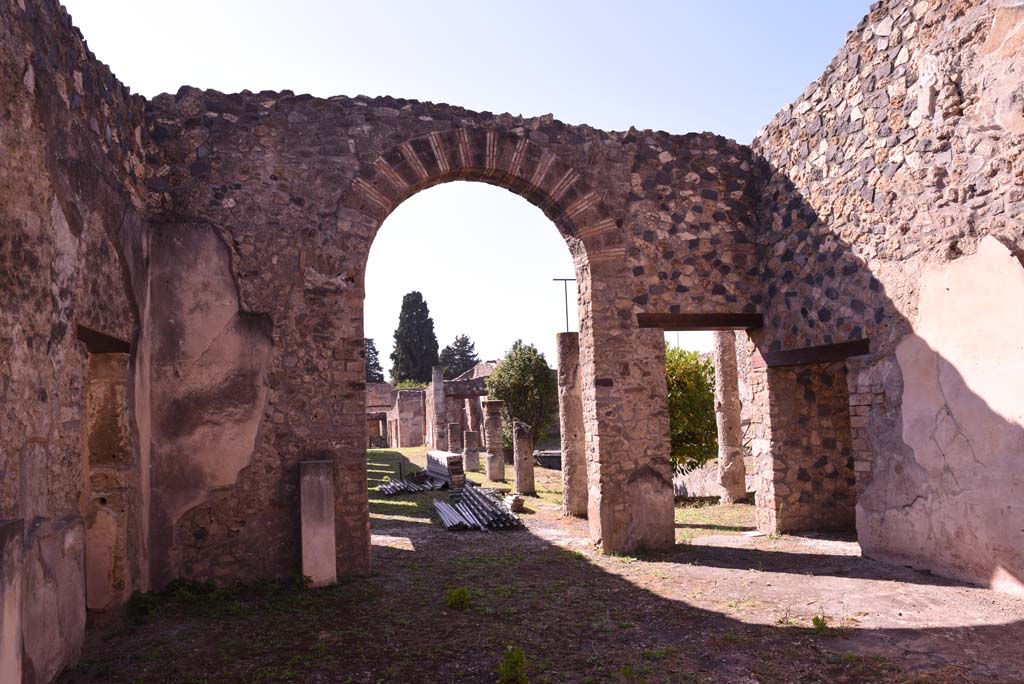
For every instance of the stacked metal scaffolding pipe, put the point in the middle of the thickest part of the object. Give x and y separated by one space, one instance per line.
475 509
412 484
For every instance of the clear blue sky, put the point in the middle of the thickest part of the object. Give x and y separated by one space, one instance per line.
483 257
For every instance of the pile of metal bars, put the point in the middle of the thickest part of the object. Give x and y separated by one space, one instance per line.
475 508
418 482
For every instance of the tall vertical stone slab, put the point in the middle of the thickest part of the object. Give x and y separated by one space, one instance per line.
471 452
316 500
570 420
437 418
11 568
495 465
53 598
731 469
454 438
522 443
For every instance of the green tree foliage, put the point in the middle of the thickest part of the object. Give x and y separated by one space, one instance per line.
374 373
411 384
415 352
691 409
528 387
458 357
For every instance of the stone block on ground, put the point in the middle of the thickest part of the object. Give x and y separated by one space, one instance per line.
316 496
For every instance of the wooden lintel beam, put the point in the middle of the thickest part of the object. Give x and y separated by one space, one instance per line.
101 343
700 321
824 353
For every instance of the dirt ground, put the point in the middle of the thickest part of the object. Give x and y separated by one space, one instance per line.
723 607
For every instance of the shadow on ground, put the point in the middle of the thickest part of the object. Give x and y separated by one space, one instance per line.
703 613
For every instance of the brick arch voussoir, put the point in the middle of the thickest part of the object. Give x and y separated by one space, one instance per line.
506 159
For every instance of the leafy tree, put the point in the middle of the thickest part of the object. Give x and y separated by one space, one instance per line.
528 387
374 373
415 352
691 409
458 357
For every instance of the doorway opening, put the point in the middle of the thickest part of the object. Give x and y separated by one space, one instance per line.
480 261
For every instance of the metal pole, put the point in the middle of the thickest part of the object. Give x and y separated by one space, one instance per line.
565 287
565 291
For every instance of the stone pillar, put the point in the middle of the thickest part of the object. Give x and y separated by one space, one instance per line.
316 503
522 442
471 452
732 475
473 417
438 422
454 438
570 419
629 472
493 441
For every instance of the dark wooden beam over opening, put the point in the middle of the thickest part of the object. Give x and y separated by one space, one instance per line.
825 353
101 343
700 321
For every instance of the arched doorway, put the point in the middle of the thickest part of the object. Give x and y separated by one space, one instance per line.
622 367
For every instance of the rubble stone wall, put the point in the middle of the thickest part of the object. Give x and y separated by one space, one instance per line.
296 188
890 168
806 481
72 246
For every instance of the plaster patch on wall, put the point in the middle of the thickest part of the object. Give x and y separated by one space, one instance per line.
963 417
210 362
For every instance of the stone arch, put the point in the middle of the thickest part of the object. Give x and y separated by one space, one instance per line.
507 159
619 363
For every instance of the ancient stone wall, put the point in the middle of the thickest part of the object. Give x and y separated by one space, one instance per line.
704 481
296 187
900 159
236 273
806 482
72 250
407 419
379 396
70 154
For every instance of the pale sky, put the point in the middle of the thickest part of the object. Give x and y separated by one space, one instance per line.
482 257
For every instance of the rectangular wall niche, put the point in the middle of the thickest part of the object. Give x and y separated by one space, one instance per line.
110 482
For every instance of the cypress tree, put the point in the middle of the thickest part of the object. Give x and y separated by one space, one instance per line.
415 352
374 373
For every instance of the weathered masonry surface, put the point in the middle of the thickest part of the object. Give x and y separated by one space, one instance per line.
868 244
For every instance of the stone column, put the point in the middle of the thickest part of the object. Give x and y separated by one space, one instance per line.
471 452
454 438
522 442
437 418
570 419
473 418
732 474
316 501
493 441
